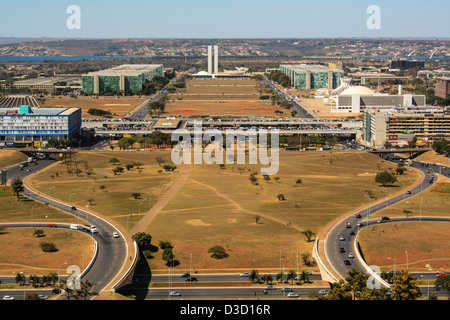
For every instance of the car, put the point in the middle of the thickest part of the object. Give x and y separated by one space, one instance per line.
56 291
42 297
348 225
341 250
441 275
385 218
341 238
115 235
347 262
8 298
380 220
286 289
185 275
352 233
408 192
350 255
359 224
245 274
73 208
292 295
323 291
357 216
52 225
428 171
174 293
269 287
191 279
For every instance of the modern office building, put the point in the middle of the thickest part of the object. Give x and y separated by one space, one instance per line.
442 88
399 127
36 126
123 78
307 76
404 64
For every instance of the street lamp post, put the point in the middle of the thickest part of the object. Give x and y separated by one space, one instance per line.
395 270
368 209
59 280
406 260
31 222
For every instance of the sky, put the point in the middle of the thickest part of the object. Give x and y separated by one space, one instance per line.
225 19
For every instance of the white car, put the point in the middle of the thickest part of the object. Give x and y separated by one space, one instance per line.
341 238
8 298
174 293
41 296
115 235
350 255
292 295
245 274
323 291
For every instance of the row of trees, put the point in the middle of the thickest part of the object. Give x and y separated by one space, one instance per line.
282 277
280 78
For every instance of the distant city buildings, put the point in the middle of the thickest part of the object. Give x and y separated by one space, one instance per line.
405 64
123 78
36 126
442 89
307 77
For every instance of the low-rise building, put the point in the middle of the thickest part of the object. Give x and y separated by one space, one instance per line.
35 126
442 88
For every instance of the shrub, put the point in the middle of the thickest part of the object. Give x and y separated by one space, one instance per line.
48 246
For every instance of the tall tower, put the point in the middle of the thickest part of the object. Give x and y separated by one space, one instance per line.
216 59
210 58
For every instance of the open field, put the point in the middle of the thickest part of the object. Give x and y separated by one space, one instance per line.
98 189
426 242
320 109
117 106
11 157
218 207
27 210
233 97
32 260
433 157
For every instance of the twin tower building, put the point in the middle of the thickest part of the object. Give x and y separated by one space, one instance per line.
213 59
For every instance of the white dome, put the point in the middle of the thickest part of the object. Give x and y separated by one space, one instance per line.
364 91
201 73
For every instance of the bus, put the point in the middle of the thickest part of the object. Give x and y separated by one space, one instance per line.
23 164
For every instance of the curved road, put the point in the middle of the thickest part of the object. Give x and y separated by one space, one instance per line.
333 243
112 252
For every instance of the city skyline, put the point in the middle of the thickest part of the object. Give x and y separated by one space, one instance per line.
205 19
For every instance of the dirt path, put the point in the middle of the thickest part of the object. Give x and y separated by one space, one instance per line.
151 214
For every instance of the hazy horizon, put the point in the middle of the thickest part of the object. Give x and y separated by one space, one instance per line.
233 19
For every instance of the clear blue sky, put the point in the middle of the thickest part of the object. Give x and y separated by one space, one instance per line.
225 18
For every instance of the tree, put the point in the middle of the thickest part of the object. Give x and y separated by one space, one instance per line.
142 239
129 166
257 219
267 278
308 234
114 161
405 287
17 188
48 246
168 256
281 197
443 283
291 275
20 278
38 233
304 276
160 160
385 178
254 276
86 289
136 195
218 252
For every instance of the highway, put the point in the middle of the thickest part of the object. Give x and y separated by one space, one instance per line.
333 242
112 252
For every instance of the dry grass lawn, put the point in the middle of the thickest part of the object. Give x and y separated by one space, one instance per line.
20 251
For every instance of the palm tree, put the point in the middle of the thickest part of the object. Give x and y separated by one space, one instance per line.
405 287
86 289
267 278
304 276
291 275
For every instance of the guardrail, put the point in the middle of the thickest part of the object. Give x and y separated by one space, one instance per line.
320 262
127 278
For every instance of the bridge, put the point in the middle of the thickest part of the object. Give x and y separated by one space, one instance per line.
413 152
